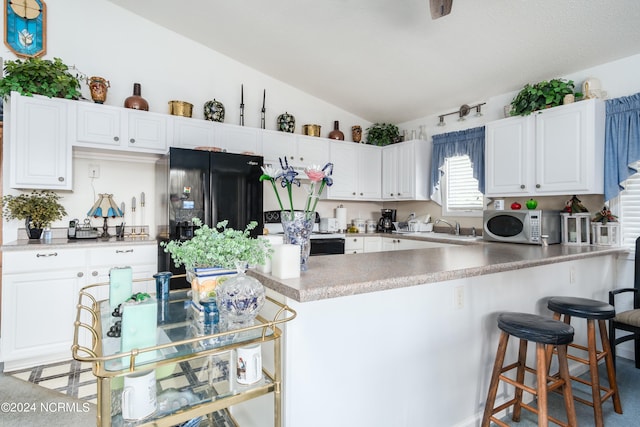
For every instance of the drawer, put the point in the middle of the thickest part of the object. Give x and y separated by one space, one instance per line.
42 260
353 243
125 255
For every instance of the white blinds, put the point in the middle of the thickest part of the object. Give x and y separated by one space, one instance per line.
629 211
462 188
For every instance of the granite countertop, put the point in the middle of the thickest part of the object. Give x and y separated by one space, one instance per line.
335 276
63 243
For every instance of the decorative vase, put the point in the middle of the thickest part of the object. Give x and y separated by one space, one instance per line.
240 299
214 111
297 231
32 232
205 280
98 87
286 123
136 101
356 133
336 133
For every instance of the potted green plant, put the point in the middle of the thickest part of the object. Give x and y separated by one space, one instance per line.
38 209
382 134
213 253
40 76
544 94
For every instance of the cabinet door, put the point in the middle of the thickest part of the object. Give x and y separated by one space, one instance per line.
345 171
388 244
312 150
238 139
561 150
406 171
190 133
509 156
97 125
38 311
276 145
369 172
353 245
372 244
40 154
389 172
146 131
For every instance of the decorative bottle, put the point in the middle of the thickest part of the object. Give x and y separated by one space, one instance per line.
336 133
135 101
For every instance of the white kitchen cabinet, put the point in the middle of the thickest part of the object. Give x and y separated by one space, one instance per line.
372 244
300 150
115 128
39 150
396 244
189 133
405 171
354 244
238 139
357 171
557 151
40 292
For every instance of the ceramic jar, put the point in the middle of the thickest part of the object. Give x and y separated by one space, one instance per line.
136 101
356 133
286 123
98 87
214 111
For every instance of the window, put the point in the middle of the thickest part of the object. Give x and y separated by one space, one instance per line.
627 207
460 189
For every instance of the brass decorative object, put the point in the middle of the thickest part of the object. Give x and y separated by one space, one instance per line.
180 108
311 130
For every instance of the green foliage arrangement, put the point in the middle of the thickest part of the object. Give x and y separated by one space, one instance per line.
382 134
541 95
39 76
40 207
218 247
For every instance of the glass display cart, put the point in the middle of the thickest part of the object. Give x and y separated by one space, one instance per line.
183 341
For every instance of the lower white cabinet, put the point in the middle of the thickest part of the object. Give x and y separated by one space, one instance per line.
40 292
395 244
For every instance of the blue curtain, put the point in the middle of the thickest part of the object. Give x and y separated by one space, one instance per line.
469 142
621 142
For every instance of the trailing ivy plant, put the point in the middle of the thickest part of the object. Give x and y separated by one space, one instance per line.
382 134
40 76
544 94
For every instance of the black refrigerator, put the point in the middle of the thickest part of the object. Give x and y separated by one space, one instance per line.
212 186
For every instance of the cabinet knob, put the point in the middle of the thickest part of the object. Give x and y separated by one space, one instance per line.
390 194
94 273
61 178
291 157
537 185
362 194
132 140
80 274
522 186
116 139
353 194
302 159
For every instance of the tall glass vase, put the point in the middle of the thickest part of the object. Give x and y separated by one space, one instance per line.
297 228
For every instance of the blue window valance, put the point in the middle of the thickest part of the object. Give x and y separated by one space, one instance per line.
621 143
469 142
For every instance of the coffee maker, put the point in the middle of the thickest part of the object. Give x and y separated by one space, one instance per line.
385 223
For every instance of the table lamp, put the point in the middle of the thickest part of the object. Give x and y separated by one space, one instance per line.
105 207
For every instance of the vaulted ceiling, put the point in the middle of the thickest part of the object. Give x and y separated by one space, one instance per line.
388 61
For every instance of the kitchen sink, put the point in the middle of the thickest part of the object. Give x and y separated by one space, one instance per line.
443 236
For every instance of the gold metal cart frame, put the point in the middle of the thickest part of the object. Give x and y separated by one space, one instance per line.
263 331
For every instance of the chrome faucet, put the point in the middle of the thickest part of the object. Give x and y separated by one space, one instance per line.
454 228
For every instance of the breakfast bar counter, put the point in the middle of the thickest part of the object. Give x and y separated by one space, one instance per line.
408 338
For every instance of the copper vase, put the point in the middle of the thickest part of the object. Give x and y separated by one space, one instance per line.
336 133
136 101
98 87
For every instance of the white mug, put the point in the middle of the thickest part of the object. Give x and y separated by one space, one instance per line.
249 364
139 396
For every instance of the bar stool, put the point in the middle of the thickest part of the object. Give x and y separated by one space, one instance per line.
591 310
546 333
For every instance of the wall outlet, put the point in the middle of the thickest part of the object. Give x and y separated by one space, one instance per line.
458 297
94 171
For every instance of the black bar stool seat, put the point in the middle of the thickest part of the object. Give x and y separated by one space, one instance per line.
548 334
593 311
582 307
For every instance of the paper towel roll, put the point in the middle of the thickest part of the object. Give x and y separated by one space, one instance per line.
341 218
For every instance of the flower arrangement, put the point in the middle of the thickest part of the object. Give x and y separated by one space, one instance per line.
218 247
604 216
319 177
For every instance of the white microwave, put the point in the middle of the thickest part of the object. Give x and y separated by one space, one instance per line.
521 226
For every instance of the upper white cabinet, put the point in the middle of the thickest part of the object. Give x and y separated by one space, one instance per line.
237 139
357 171
189 133
552 152
300 150
39 151
405 171
106 127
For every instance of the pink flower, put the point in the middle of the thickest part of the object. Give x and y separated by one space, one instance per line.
314 173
